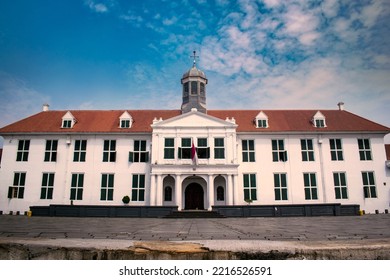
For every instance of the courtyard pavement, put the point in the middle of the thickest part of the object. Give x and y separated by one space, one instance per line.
227 234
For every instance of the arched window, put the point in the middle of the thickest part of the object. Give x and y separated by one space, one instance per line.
220 194
168 194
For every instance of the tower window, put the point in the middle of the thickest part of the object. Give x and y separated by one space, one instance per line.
194 87
202 92
186 88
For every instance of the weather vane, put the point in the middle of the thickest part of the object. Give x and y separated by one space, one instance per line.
194 56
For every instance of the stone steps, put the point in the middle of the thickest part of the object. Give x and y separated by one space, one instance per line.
194 214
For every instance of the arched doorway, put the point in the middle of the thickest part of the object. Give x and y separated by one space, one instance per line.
194 197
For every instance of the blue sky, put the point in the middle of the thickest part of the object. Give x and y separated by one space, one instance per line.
265 54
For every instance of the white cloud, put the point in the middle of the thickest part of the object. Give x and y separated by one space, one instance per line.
18 100
170 21
272 3
96 7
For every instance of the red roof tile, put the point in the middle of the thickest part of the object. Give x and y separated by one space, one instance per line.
107 121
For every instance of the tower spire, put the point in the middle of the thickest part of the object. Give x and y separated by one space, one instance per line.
194 56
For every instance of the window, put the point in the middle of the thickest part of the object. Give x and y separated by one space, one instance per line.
219 148
169 148
23 149
307 150
319 120
125 123
109 153
51 150
261 120
280 186
125 120
186 88
262 124
66 123
194 87
202 89
364 149
336 150
369 187
168 194
80 150
203 150
310 182
248 151
185 149
47 185
138 188
250 187
220 194
320 123
139 154
17 189
76 187
278 152
68 120
340 185
107 187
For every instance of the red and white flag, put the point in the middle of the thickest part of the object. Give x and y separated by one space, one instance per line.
194 154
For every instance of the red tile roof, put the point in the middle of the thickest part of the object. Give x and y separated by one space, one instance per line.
387 148
107 121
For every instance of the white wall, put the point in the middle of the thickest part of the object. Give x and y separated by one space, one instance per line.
263 167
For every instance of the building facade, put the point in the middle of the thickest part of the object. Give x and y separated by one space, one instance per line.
194 158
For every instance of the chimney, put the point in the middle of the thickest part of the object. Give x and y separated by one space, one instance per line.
45 107
341 106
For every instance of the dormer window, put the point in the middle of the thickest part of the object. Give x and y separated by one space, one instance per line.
68 120
261 120
125 120
319 120
66 124
125 123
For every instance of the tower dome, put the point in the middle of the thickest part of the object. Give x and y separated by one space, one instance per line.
194 89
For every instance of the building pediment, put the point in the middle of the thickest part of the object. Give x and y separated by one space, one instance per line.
194 119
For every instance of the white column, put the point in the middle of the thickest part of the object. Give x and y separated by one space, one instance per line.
153 190
178 195
210 192
229 190
235 190
159 191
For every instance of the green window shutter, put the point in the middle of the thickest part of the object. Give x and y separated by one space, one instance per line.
253 194
134 196
103 194
338 193
49 193
277 194
10 192
246 194
179 153
110 194
373 191
21 192
79 194
131 157
147 157
43 193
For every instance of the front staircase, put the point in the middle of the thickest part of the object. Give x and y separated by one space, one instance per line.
194 214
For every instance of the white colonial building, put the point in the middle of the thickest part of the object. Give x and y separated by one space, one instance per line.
245 158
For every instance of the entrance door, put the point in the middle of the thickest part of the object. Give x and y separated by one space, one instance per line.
194 197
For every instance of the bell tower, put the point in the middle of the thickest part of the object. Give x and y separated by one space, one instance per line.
194 83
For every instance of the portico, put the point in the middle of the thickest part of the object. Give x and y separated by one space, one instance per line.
196 190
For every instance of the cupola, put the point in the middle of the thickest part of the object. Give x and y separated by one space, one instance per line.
194 83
